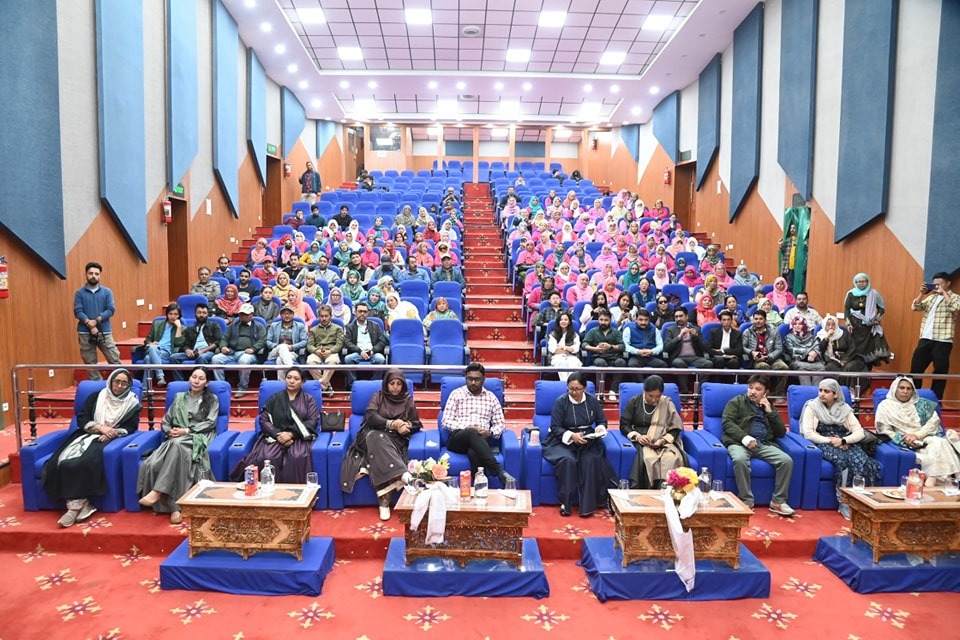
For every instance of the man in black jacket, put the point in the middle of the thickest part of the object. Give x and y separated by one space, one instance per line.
683 346
363 342
200 341
725 343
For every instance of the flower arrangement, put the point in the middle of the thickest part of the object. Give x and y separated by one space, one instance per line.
683 479
430 470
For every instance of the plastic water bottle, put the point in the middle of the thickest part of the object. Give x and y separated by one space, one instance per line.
706 483
268 479
914 487
480 486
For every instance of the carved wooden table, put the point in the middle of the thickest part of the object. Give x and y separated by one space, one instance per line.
221 517
640 527
473 531
890 525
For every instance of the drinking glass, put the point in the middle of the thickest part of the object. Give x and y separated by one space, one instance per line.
859 484
313 479
717 486
623 485
204 478
453 492
953 487
510 489
903 484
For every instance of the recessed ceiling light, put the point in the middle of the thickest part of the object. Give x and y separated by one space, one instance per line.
372 84
447 107
654 90
432 84
312 15
344 84
316 102
292 68
518 55
418 16
266 27
509 108
461 86
552 18
499 133
498 86
527 86
588 87
656 23
303 84
350 53
589 110
280 49
613 57
614 88
249 4
635 111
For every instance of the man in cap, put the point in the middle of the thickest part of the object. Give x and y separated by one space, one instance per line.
242 343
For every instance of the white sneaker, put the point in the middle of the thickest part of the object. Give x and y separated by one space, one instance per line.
612 395
384 513
845 511
782 509
87 511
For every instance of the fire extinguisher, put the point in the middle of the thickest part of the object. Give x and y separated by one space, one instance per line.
666 176
4 280
287 170
167 212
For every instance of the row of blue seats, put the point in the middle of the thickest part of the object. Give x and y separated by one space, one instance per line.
812 485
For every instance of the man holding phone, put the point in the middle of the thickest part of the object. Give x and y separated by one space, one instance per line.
750 424
939 306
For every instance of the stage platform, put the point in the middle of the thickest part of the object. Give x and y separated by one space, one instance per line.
270 573
656 579
852 562
435 577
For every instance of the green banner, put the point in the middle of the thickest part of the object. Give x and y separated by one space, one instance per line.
794 268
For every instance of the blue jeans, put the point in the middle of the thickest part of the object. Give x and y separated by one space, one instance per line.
354 358
155 354
235 358
180 357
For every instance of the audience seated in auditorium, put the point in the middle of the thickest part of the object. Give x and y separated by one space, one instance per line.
224 271
837 348
243 343
415 271
763 349
247 286
201 340
801 350
803 309
780 296
441 311
323 346
652 422
563 345
683 346
286 340
301 309
605 343
774 319
205 286
266 271
448 273
725 343
163 340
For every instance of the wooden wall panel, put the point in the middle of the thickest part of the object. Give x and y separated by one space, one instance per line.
332 165
651 182
298 158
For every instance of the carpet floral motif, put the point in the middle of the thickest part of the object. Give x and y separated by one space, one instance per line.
545 618
193 611
808 589
373 588
377 530
778 617
73 609
764 535
306 616
152 584
90 525
572 532
583 587
339 513
426 618
112 634
10 521
897 618
36 554
132 557
55 579
661 617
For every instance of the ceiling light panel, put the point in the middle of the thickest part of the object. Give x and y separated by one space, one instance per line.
552 19
418 16
350 53
518 55
613 58
657 23
312 15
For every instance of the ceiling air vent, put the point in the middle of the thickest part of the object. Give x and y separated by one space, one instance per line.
467 97
471 31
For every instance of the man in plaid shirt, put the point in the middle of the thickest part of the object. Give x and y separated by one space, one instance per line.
472 415
939 306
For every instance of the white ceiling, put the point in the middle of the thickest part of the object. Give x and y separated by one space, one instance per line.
523 134
421 73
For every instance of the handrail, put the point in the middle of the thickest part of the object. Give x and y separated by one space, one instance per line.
697 378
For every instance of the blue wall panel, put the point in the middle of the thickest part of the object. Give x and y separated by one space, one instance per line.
708 118
458 147
30 116
798 80
121 117
630 134
226 110
866 112
745 131
531 149
943 232
257 113
326 130
292 119
183 116
666 125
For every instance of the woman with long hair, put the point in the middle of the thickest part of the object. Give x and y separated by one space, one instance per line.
563 345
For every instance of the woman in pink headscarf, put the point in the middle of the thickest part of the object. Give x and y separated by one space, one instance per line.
563 274
611 288
690 277
706 311
608 271
581 291
780 296
661 256
607 256
567 234
723 278
648 249
661 276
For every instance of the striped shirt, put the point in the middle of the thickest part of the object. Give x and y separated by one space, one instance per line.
939 316
464 410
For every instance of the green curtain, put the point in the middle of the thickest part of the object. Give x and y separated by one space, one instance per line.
799 216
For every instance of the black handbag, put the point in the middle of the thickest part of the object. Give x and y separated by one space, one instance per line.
869 443
332 421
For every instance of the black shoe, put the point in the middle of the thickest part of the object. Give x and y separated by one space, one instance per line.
565 511
586 515
504 477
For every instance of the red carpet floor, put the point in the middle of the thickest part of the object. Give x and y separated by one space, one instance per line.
100 580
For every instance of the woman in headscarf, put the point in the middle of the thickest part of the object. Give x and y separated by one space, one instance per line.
405 219
342 257
380 449
376 307
300 308
258 252
354 228
398 308
660 255
581 291
310 288
723 278
378 231
424 217
661 276
774 319
534 206
370 257
286 249
802 351
564 274
606 257
313 255
747 279
554 257
711 287
567 234
690 278
710 258
229 305
598 278
385 284
912 423
441 311
188 427
574 447
631 277
390 249
400 237
300 242
863 310
352 244
837 348
74 472
691 245
579 259
424 259
780 296
590 233
609 287
649 249
288 426
829 423
352 288
431 233
510 210
534 277
706 311
651 421
341 311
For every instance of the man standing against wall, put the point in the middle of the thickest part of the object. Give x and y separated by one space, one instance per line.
939 306
310 184
93 307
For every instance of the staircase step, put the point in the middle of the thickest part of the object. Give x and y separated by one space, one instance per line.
496 331
501 351
485 289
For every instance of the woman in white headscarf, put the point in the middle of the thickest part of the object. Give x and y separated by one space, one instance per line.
912 423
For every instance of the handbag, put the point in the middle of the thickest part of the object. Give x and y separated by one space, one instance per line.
869 443
332 421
